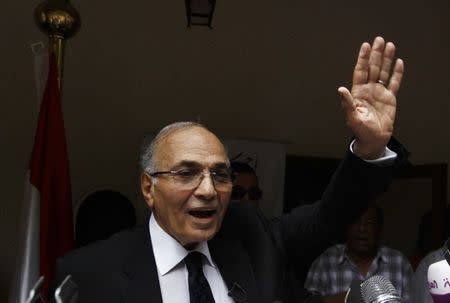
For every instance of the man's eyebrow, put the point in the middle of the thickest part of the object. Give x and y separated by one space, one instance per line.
220 165
186 163
195 164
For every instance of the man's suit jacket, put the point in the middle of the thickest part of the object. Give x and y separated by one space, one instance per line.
253 254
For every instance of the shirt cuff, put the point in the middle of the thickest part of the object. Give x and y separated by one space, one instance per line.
387 159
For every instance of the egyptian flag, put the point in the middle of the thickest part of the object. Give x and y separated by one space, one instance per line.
47 226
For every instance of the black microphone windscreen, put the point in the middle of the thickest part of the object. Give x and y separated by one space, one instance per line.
34 295
447 251
354 292
237 293
67 292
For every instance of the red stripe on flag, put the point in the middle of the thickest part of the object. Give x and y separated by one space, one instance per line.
49 168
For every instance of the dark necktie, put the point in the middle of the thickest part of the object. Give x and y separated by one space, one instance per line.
199 290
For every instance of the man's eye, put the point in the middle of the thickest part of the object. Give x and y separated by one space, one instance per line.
186 173
221 175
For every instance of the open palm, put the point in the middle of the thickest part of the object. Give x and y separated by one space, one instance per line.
370 105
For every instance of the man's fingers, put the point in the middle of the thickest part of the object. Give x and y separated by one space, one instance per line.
346 99
376 57
361 71
396 78
388 57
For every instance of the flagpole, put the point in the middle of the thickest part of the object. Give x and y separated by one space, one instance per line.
60 21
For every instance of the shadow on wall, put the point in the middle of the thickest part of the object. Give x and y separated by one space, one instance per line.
102 214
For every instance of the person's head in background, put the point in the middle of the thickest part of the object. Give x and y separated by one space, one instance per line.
245 185
363 237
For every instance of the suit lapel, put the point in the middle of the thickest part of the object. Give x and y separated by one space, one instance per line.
143 283
231 258
235 268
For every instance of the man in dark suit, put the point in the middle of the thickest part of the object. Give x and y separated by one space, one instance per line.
197 249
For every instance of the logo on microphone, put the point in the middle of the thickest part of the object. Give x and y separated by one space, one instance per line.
438 281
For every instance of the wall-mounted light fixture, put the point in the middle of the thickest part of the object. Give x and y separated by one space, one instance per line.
199 12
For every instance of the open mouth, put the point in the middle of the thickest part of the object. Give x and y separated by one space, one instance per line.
202 213
362 240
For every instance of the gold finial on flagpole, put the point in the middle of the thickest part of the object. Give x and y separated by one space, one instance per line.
60 21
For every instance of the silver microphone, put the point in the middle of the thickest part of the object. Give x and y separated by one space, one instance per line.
67 292
378 289
34 296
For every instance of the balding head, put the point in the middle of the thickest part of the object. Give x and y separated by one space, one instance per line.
149 151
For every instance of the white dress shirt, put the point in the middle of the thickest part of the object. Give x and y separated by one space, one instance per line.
386 159
172 272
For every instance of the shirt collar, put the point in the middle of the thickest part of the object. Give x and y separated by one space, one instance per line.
342 255
168 252
382 254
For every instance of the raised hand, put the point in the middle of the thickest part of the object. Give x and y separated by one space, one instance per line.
371 104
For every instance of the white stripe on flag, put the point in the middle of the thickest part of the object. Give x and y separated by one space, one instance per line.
27 266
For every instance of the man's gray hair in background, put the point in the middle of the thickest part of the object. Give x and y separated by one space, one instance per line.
147 159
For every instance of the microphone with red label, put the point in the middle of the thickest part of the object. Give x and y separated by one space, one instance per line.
439 281
439 277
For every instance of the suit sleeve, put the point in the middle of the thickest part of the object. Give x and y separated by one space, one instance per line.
307 230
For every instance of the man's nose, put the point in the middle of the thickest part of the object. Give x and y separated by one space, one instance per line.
362 226
206 189
246 197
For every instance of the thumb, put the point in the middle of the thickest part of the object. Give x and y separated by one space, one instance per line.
346 99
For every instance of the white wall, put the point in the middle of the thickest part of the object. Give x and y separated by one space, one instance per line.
268 70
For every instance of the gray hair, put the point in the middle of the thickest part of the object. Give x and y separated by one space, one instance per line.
147 159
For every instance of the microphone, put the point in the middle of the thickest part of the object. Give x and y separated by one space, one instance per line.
237 293
34 295
447 250
438 281
376 289
67 291
353 294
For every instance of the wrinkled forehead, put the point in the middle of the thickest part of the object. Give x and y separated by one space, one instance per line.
370 214
195 145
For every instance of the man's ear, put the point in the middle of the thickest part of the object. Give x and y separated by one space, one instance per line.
146 188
